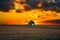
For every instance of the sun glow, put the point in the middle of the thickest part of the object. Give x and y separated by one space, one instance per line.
23 17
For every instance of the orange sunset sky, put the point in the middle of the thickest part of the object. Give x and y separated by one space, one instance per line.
37 15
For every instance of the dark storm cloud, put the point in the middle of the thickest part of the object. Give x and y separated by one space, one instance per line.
45 5
5 5
33 3
57 21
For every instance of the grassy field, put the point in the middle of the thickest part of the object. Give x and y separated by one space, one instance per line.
26 32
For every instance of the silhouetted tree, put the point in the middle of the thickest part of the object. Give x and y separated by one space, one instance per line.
31 23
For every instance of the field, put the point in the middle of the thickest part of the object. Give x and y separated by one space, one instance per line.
26 32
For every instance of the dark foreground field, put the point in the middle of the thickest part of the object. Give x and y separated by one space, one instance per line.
29 32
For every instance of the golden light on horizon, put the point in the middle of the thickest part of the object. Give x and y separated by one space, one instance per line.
25 17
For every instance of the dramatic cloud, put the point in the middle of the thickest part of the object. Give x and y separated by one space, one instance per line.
33 3
5 5
57 21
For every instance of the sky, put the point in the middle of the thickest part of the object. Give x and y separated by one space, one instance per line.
47 13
